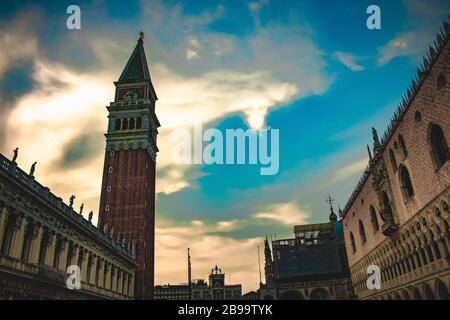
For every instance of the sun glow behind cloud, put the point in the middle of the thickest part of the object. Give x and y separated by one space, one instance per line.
66 104
201 75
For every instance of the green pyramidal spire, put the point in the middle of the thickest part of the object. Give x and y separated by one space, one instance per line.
136 69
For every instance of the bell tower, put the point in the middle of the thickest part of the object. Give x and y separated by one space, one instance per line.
127 201
268 266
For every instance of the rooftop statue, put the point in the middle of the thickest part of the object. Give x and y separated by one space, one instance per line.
16 154
33 169
72 198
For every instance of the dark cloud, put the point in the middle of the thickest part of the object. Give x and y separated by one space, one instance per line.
16 82
81 149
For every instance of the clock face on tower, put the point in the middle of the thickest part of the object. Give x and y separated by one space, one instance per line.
218 283
131 93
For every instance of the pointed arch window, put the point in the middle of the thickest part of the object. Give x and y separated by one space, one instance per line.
352 242
439 147
387 208
401 142
374 219
132 123
393 161
362 232
405 183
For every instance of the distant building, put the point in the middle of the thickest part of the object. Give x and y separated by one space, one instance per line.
252 295
311 266
201 290
172 292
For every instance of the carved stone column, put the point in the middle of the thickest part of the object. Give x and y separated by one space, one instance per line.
107 275
83 258
36 244
76 254
412 263
131 286
397 268
101 273
3 220
31 232
446 238
18 225
125 283
51 247
433 249
64 252
93 269
119 281
427 255
113 278
442 249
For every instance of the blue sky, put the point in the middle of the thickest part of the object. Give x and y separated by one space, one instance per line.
313 68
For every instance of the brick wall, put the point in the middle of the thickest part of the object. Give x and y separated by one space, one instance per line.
428 183
128 190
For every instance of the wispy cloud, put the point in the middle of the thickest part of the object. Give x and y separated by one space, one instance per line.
193 48
284 213
348 60
403 45
416 37
349 170
256 6
18 46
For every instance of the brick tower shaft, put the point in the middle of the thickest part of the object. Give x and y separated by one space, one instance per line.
127 201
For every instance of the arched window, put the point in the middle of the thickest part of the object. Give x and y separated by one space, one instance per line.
352 242
387 209
362 232
319 294
125 124
139 123
405 183
393 161
373 219
401 142
445 207
118 124
439 147
437 213
132 122
292 295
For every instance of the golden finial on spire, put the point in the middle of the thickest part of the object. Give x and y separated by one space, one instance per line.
141 35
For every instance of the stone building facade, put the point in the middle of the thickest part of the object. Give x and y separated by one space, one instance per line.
398 216
41 236
311 266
